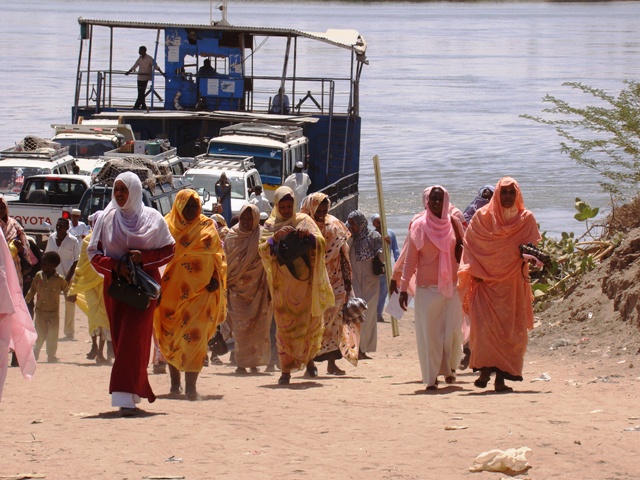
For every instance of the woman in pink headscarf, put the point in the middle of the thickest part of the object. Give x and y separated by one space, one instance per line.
431 255
493 285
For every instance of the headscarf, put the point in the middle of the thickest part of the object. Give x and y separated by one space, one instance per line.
276 221
440 232
477 203
242 247
367 243
184 231
333 230
132 226
491 241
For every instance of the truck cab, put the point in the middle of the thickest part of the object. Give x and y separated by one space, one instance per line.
88 141
275 149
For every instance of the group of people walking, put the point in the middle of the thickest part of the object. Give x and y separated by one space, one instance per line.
470 278
310 274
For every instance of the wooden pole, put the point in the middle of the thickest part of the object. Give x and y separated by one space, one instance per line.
395 330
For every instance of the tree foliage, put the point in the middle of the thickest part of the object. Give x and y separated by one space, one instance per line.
604 137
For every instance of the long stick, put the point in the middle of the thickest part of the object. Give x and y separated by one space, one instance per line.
383 228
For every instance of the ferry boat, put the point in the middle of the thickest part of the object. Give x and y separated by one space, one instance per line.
189 108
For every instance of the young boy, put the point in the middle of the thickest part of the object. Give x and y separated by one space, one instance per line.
48 285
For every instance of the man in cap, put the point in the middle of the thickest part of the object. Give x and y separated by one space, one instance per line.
78 229
299 182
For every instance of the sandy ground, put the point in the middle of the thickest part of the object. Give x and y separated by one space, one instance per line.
377 422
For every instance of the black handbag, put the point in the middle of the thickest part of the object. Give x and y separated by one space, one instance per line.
379 267
291 247
137 294
218 345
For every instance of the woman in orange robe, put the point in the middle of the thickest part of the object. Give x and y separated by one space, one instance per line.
492 281
193 301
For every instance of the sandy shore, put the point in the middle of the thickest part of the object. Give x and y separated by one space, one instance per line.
377 422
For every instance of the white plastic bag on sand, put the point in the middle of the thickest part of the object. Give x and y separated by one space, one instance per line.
512 460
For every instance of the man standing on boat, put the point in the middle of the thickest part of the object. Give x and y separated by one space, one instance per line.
144 64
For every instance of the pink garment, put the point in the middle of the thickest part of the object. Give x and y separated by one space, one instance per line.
440 232
16 327
399 265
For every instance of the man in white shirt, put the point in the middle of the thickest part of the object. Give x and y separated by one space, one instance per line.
299 182
78 229
144 64
259 200
68 247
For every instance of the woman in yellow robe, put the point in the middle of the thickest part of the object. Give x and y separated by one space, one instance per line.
300 291
249 306
193 301
87 290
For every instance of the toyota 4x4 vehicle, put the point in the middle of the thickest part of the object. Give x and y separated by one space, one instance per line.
239 170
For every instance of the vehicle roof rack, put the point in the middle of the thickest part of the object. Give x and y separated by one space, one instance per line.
281 133
238 163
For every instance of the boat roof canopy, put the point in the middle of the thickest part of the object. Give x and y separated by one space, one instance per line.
347 39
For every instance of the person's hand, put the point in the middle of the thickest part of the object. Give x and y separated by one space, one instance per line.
19 246
387 240
403 300
283 232
213 285
72 298
136 256
393 286
532 260
123 271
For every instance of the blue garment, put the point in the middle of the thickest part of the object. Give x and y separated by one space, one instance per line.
224 198
384 289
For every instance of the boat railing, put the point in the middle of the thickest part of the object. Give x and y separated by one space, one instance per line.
341 189
112 89
100 90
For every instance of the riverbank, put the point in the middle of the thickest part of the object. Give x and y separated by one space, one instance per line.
377 422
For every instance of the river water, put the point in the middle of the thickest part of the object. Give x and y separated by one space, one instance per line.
441 98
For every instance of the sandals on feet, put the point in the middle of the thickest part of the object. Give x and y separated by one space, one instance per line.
335 370
481 382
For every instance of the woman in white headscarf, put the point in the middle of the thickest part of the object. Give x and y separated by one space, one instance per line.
128 227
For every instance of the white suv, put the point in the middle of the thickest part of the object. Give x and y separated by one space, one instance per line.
241 174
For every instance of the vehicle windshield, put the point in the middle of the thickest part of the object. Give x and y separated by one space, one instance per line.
12 178
208 182
268 161
86 148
